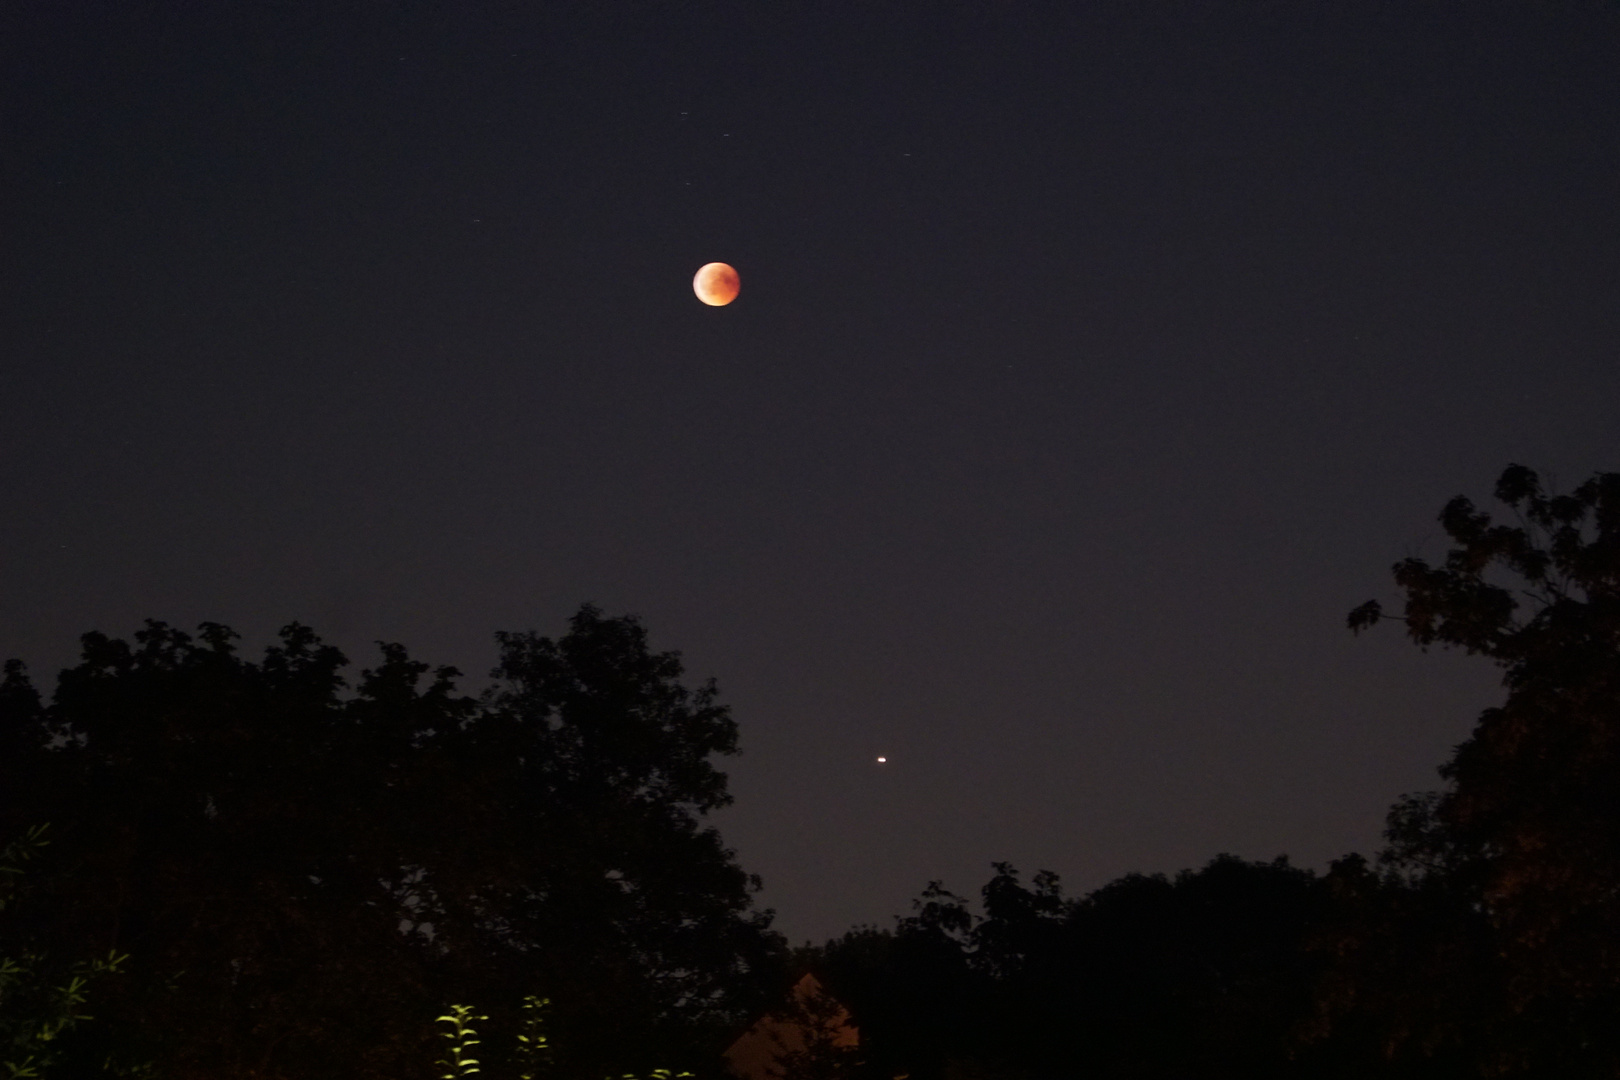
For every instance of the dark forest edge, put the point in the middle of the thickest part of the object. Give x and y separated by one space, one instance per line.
304 872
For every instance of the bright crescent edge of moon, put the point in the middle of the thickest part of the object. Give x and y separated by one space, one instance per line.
716 284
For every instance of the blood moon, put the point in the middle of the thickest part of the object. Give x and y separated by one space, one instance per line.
716 284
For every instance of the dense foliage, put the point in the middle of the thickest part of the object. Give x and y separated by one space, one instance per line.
42 998
1207 973
304 874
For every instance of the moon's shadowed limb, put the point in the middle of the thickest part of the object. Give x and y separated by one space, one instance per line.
716 284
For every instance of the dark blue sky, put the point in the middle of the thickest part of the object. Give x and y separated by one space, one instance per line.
1092 361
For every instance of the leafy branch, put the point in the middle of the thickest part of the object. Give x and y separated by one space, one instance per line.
34 1016
459 1062
534 1046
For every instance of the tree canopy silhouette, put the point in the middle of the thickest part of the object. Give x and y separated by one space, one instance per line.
1205 973
305 874
1501 897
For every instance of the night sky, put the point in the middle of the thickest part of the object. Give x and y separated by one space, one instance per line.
1091 362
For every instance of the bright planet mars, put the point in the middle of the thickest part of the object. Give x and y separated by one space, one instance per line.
716 284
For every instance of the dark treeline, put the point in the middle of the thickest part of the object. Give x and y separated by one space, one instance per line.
1207 974
300 874
1483 942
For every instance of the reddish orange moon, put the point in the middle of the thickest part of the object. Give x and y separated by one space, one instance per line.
716 284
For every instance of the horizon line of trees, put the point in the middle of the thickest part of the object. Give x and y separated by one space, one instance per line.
304 873
1483 941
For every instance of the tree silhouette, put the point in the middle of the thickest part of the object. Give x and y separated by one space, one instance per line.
306 874
1514 868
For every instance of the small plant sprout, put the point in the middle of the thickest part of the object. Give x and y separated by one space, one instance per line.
534 1048
458 1061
